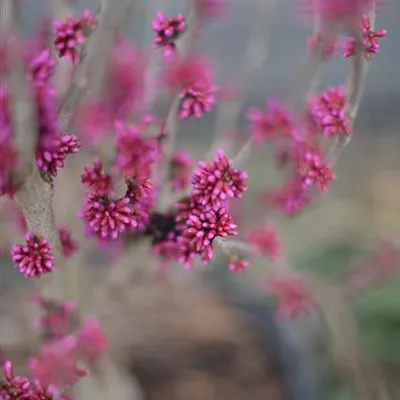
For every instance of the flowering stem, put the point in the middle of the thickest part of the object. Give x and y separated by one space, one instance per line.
355 87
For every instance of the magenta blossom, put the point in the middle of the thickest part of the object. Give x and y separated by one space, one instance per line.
70 34
21 388
218 181
168 29
369 40
95 179
292 295
136 153
69 246
42 68
238 265
265 241
272 123
91 340
56 365
34 258
329 112
106 217
53 157
203 226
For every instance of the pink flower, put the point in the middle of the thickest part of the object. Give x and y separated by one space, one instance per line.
56 365
197 99
52 158
95 179
125 81
311 167
91 340
218 181
272 123
192 77
70 34
329 111
370 43
203 226
329 44
181 164
292 295
42 68
34 258
106 217
291 198
238 265
265 241
58 319
168 29
69 246
21 388
135 153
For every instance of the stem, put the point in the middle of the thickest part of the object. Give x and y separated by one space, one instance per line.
355 85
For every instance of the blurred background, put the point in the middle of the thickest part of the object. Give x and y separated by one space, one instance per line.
361 210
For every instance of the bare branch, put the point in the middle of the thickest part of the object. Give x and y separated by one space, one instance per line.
90 73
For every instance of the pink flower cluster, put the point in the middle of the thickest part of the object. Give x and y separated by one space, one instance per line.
292 294
56 365
192 77
218 181
298 146
265 241
369 39
35 258
136 154
167 30
331 43
18 387
329 112
57 320
200 218
71 33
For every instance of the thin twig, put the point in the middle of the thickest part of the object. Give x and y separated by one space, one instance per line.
355 87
